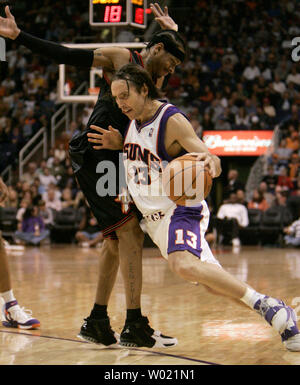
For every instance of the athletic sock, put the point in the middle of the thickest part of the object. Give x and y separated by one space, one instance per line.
251 297
133 314
99 311
8 296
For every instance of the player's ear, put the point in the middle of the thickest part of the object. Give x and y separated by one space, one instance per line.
144 90
158 48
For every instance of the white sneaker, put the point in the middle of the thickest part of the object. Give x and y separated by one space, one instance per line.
282 318
236 242
17 317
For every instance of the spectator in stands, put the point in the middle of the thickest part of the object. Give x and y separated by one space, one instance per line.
284 153
280 198
46 213
275 163
22 207
41 166
57 169
16 137
269 197
52 201
60 153
240 196
270 179
251 72
30 126
284 180
296 189
89 234
293 142
35 195
33 229
233 183
269 113
292 232
222 124
46 178
72 130
207 123
242 120
68 180
294 167
67 199
258 201
50 159
231 217
294 76
30 174
278 85
255 123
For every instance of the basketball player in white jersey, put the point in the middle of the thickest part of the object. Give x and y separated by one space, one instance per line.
159 131
14 316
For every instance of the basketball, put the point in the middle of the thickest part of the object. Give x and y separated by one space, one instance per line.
186 181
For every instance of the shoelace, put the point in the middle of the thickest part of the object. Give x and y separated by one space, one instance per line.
19 314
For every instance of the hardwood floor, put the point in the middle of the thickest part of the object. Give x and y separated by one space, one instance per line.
58 283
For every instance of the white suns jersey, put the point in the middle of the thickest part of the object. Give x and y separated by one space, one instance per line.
144 154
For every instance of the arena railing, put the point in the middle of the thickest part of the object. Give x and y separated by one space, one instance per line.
31 148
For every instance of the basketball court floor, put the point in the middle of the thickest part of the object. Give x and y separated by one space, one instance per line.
58 284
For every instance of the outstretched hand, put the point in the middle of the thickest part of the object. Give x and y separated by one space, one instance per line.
110 139
8 26
162 17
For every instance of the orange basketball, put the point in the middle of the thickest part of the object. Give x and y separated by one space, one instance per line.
186 181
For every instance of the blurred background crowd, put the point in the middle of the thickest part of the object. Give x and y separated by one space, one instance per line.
239 75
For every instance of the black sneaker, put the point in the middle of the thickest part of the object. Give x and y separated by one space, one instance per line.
138 333
99 332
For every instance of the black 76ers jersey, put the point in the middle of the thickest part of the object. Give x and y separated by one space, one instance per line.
144 154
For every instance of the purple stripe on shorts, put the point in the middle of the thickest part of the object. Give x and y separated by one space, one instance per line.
184 230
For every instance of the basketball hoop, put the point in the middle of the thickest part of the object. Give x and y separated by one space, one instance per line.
94 91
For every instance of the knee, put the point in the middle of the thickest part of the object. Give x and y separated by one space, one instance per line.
179 264
131 234
112 246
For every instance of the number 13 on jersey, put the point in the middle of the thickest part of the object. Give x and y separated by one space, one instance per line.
186 237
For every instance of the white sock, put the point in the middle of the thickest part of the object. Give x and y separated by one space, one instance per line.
251 297
8 296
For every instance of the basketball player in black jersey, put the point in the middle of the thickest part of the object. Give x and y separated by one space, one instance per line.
123 237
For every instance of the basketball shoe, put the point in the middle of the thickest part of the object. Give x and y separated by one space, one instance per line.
138 333
282 318
18 317
99 331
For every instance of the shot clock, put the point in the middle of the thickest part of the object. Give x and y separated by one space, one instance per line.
118 12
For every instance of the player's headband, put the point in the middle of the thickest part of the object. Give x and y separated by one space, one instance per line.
169 45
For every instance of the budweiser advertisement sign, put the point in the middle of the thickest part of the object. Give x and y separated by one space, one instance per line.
237 143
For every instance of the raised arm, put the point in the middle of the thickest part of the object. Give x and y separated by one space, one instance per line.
110 59
163 18
107 58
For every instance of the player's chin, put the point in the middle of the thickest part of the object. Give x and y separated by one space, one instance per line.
128 113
